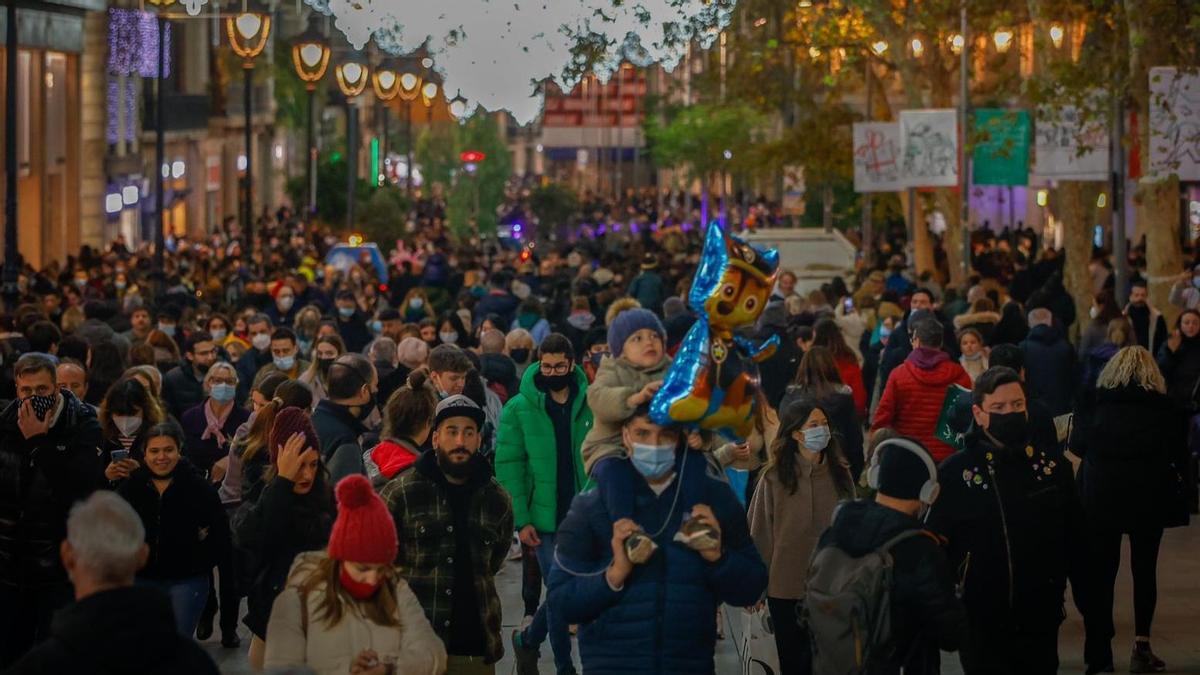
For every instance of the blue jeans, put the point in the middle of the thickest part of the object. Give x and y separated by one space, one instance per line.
543 622
188 597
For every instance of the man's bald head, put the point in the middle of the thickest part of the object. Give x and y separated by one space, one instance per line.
491 341
72 375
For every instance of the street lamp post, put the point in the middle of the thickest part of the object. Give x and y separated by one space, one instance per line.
410 88
310 56
387 86
352 76
11 273
159 139
248 32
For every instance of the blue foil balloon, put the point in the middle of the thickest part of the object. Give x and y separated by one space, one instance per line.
712 382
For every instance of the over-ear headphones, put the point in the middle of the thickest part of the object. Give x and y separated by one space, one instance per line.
929 491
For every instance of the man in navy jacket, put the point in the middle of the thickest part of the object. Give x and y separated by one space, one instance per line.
659 616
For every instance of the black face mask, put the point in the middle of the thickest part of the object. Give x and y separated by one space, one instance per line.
455 470
519 355
549 383
323 366
42 405
1010 429
201 368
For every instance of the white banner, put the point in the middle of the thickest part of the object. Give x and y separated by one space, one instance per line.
1174 123
877 157
929 147
1066 147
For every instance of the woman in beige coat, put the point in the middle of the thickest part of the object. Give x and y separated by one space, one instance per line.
794 502
347 610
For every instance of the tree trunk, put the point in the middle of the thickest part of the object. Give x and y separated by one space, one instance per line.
1074 200
1157 204
948 203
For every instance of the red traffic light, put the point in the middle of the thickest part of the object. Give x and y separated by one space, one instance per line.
472 157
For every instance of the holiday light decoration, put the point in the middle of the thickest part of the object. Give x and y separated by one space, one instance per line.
497 53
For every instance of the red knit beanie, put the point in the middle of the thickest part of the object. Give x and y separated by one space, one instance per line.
291 420
364 531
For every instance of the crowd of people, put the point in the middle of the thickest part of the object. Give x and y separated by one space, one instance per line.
358 451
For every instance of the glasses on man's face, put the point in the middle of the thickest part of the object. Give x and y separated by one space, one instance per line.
222 380
556 368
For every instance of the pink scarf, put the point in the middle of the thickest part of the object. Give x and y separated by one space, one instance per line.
214 423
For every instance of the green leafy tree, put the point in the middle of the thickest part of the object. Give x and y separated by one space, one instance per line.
474 200
436 153
331 189
382 217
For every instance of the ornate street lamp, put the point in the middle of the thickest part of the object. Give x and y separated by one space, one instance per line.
387 87
458 106
160 215
352 77
310 56
410 71
248 33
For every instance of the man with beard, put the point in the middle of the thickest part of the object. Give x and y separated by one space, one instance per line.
1148 323
454 523
183 385
1014 523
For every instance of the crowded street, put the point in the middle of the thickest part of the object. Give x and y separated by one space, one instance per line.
676 337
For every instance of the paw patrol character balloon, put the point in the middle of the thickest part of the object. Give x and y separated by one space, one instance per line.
712 382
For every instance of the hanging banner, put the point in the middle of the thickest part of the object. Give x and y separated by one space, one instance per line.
877 157
1070 144
1002 147
929 147
1174 123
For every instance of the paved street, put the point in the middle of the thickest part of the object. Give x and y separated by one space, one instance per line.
1176 637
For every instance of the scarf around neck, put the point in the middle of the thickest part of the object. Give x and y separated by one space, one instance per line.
215 422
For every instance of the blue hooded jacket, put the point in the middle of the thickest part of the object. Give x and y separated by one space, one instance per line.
664 618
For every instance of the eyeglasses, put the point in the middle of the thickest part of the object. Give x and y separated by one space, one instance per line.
556 369
222 380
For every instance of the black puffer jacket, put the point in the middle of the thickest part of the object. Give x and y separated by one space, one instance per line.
271 532
1181 368
125 631
1015 529
1133 447
40 478
186 526
926 616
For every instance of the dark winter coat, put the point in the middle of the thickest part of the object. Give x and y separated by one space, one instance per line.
203 453
500 303
1051 372
664 618
843 419
500 369
271 532
1133 446
183 389
912 399
186 526
1016 533
40 479
335 427
926 615
247 369
355 333
1181 369
124 631
649 289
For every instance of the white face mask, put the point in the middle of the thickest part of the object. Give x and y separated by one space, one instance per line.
261 341
128 425
1094 311
285 302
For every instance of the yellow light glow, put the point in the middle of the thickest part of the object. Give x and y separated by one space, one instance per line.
814 52
1042 197
248 24
918 47
430 90
387 78
879 47
957 43
1003 38
408 81
1102 200
353 72
1056 34
311 54
355 240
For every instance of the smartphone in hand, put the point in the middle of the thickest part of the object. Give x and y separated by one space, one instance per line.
120 455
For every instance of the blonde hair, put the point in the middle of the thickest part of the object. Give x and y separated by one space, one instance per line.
1132 366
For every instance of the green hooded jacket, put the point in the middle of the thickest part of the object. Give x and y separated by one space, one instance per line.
526 451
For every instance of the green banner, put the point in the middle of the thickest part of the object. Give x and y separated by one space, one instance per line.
1001 147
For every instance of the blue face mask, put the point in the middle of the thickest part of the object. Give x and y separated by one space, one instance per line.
377 327
816 439
653 461
346 312
223 393
884 332
285 362
169 329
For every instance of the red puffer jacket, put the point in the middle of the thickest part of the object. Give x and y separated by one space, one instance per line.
852 376
912 399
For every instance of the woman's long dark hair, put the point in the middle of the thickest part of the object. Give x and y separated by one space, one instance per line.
466 339
817 375
121 399
827 334
785 449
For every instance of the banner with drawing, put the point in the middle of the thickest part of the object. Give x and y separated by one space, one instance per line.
929 148
1070 143
1175 123
877 157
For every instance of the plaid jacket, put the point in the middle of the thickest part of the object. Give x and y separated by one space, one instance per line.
425 525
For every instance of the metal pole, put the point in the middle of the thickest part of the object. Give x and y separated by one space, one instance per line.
964 103
383 151
159 152
351 160
248 95
868 239
1120 244
11 254
408 142
311 167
